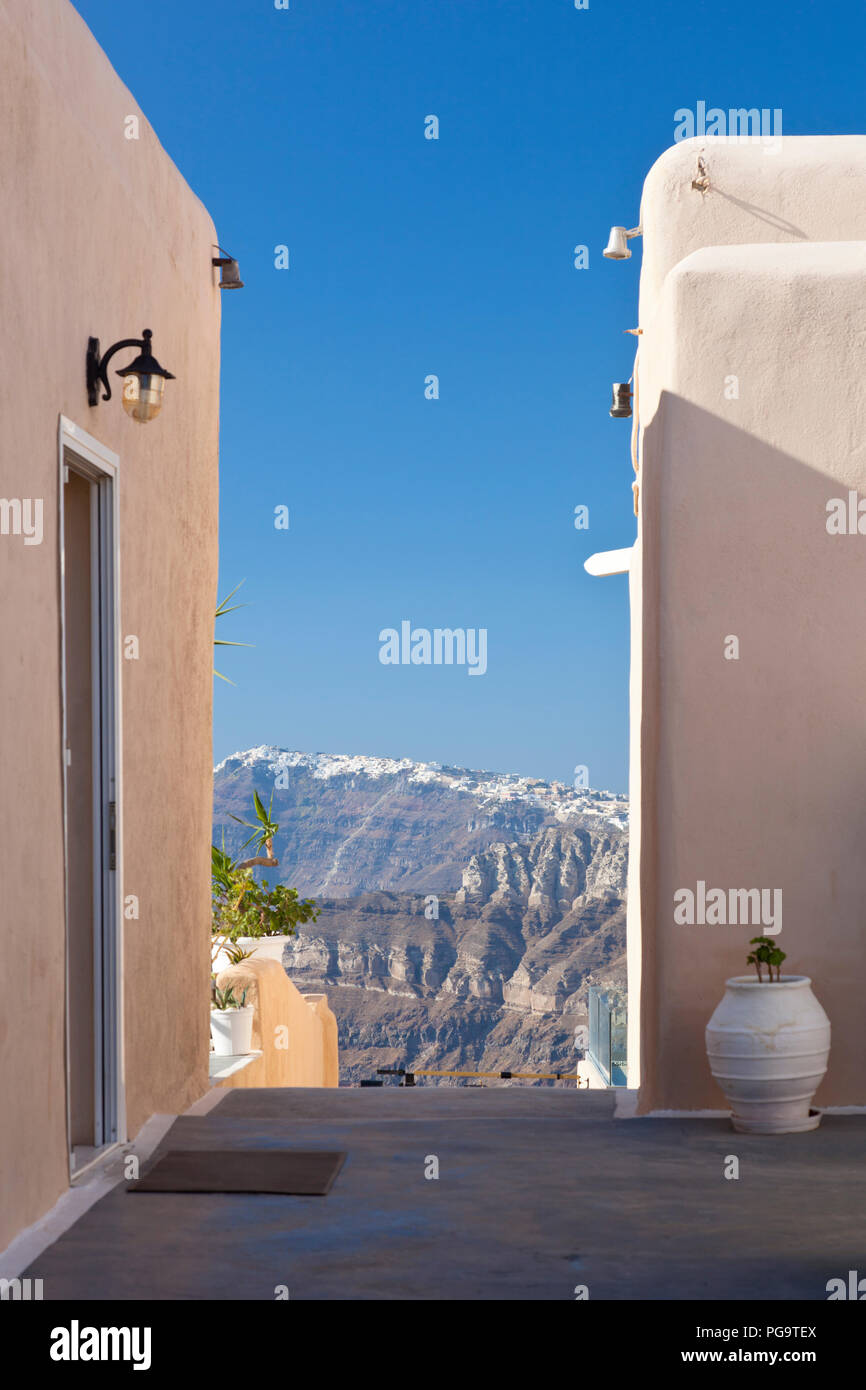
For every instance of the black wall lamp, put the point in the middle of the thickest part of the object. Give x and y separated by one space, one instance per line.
230 275
144 379
621 406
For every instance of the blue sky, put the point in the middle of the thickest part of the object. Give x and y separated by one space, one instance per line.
408 257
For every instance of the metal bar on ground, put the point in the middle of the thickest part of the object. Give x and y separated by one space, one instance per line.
496 1075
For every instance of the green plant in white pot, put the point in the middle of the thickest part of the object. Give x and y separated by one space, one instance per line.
768 1044
249 914
231 1023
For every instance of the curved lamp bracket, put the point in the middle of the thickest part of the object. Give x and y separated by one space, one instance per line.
97 366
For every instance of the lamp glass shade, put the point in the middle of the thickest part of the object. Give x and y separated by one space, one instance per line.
617 248
142 395
230 279
621 405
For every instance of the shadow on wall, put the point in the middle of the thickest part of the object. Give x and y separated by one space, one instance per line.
754 765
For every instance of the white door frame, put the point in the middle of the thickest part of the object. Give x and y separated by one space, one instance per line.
101 465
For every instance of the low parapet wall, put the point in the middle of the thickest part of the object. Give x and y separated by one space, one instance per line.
295 1033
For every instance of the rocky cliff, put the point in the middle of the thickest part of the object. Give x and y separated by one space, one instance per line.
463 914
353 824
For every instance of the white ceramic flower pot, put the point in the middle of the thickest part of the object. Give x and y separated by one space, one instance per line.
232 1031
768 1046
263 948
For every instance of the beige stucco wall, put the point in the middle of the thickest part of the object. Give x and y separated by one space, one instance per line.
749 773
296 1033
797 188
101 235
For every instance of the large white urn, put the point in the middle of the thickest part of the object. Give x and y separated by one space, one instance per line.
768 1045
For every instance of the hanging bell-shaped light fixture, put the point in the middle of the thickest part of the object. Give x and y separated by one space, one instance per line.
621 407
617 248
143 380
230 275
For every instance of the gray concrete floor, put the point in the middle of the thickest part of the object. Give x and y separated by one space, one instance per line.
539 1190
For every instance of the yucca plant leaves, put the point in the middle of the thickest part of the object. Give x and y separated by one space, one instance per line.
243 907
269 828
221 610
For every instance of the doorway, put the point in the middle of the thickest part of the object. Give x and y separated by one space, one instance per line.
89 587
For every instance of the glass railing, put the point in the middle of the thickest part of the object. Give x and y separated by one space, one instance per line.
608 1018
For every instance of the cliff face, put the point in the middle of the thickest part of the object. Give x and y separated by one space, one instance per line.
463 915
496 982
351 825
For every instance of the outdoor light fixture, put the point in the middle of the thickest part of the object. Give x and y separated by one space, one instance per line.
144 379
230 275
617 246
621 406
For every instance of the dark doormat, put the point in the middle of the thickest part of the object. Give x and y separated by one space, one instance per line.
289 1171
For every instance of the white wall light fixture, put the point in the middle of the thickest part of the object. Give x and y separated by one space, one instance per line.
617 248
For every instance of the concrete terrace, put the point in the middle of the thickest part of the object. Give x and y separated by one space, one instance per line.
539 1190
